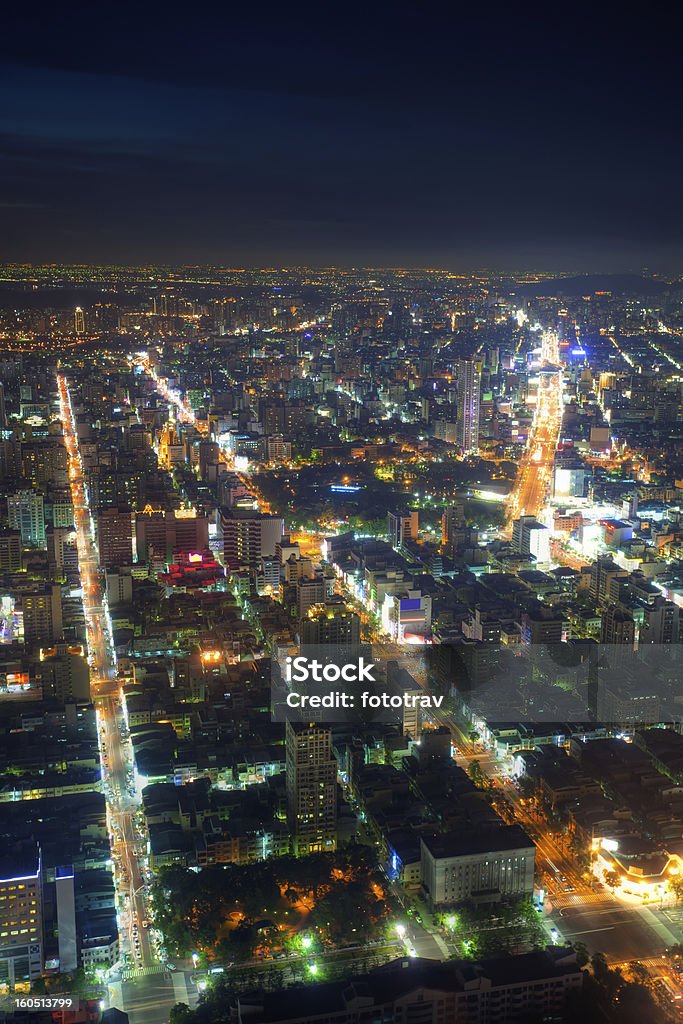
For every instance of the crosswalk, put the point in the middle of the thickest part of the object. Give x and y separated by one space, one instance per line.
654 964
141 972
576 899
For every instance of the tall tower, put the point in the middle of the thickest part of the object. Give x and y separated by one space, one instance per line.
453 525
311 787
79 320
115 536
469 394
26 512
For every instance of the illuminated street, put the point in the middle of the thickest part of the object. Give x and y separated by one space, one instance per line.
126 837
530 490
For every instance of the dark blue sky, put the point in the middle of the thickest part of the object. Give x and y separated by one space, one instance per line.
345 134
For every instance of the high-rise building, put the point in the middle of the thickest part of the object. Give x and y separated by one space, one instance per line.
10 457
10 550
59 509
66 675
79 320
62 552
278 449
45 462
172 449
605 577
151 534
115 536
25 512
330 625
446 430
311 787
119 583
569 481
42 610
66 919
310 591
189 531
530 537
618 626
455 534
542 624
21 927
468 373
661 623
209 460
248 535
402 527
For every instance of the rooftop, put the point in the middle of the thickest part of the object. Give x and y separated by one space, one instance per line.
458 844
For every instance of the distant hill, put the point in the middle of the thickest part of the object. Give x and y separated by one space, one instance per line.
618 284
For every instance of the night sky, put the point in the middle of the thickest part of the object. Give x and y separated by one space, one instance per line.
342 134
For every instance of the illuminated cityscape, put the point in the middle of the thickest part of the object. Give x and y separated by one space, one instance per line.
210 480
341 517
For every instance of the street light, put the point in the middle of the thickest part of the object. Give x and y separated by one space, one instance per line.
195 959
313 968
401 930
306 941
450 921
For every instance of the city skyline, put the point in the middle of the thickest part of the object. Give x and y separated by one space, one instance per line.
341 515
451 503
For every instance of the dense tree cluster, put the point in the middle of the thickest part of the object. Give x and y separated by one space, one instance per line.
231 912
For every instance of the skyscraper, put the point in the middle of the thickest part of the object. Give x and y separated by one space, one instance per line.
25 513
62 553
115 536
248 535
172 450
453 527
530 537
79 320
42 610
661 623
468 371
402 527
311 787
10 550
21 929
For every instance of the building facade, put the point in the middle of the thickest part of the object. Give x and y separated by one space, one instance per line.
311 787
482 867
